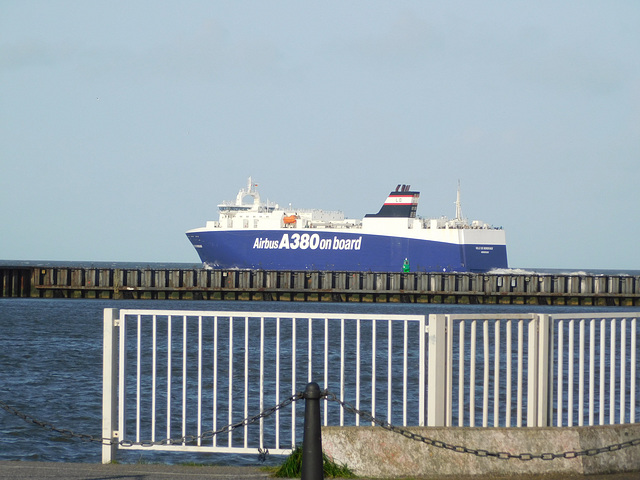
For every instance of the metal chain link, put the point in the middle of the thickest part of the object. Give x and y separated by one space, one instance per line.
47 426
345 405
478 452
167 441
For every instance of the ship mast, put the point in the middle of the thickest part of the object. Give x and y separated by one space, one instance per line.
459 216
250 191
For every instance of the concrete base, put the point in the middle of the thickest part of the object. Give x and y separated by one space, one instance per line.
375 452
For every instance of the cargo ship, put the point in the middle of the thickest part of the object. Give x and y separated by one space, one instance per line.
252 234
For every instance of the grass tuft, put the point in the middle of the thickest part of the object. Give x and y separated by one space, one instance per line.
292 467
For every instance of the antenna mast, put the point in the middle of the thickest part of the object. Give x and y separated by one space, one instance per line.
459 206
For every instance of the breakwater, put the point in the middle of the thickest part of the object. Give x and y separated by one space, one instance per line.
261 285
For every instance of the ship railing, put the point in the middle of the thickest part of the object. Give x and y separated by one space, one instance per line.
170 374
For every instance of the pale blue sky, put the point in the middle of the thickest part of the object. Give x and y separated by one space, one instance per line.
124 123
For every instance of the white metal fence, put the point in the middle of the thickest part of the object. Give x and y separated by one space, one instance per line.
176 374
596 361
183 373
490 371
534 369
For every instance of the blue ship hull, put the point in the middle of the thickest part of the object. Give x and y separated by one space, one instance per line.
339 251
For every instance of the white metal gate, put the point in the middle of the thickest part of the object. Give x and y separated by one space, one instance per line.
189 373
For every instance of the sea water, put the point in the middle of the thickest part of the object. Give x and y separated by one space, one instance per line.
51 369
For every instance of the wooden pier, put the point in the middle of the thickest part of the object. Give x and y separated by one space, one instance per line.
319 286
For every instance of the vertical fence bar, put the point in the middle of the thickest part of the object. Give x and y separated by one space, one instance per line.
496 376
199 380
612 374
533 378
623 367
448 418
326 369
277 381
461 375
485 396
310 351
373 369
261 381
472 374
154 371
184 376
293 379
342 370
422 377
634 366
520 372
169 377
246 378
560 370
602 400
509 360
358 370
122 373
437 394
230 393
138 375
581 376
571 360
389 371
109 381
544 350
215 379
404 374
592 370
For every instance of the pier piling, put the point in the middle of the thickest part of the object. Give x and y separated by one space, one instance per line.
414 287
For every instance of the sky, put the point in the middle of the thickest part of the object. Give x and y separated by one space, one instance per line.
125 123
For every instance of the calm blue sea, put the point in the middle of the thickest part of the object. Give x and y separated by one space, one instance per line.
51 368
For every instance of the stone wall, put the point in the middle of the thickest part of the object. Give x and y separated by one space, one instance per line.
375 452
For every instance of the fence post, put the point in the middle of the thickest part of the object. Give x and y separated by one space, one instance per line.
312 468
539 378
109 379
533 374
436 376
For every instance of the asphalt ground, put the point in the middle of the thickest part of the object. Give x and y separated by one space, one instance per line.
10 470
90 471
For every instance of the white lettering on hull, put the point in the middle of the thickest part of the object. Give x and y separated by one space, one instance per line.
265 243
305 241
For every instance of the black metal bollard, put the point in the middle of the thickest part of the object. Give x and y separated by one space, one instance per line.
312 467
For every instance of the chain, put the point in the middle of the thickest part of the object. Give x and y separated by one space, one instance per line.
48 426
478 452
167 441
348 407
